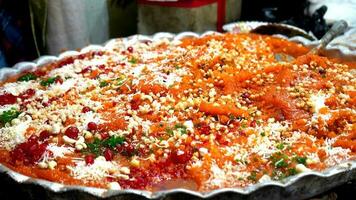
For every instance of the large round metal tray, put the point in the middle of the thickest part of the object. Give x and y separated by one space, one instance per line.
300 186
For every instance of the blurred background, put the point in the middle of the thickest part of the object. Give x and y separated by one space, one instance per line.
30 28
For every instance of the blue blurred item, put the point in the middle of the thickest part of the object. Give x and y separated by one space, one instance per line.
2 59
10 32
16 40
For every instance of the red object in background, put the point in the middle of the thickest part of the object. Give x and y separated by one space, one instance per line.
221 5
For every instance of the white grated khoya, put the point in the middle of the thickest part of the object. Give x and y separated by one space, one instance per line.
335 155
95 172
225 176
87 117
53 151
14 134
17 88
265 145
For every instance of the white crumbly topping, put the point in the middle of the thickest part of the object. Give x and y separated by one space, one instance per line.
87 117
266 138
96 171
61 88
53 151
59 151
318 101
167 80
17 88
226 176
64 72
335 155
14 133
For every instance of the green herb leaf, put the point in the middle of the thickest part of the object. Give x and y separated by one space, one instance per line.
241 161
133 60
301 160
231 117
98 146
95 147
9 115
281 163
103 84
120 81
48 81
292 171
113 141
253 176
280 146
169 131
263 134
27 77
181 128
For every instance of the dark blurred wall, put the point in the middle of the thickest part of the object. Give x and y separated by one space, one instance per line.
122 18
16 41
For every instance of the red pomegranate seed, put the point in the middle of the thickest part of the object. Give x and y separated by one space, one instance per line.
130 49
253 123
32 139
7 99
181 157
85 70
135 104
126 149
29 152
39 72
44 135
66 61
98 53
204 129
27 94
92 126
72 132
86 109
110 179
129 149
104 135
81 56
58 80
101 67
108 154
89 159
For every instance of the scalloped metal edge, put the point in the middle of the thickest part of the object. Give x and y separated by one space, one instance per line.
348 166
